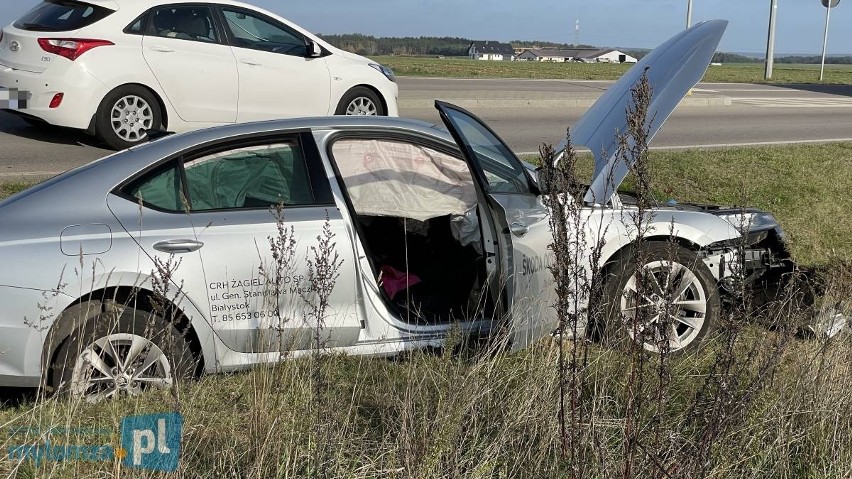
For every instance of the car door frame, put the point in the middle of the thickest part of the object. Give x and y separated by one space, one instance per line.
148 32
394 316
222 23
320 187
503 235
230 40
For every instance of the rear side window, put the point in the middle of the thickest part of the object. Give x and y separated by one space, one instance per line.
253 177
185 23
61 16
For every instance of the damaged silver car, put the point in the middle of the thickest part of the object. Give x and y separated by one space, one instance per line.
158 262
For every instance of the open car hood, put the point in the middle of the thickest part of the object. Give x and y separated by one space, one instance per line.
673 69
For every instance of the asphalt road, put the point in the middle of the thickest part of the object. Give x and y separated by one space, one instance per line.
713 115
538 112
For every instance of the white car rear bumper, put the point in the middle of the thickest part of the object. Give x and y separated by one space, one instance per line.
82 94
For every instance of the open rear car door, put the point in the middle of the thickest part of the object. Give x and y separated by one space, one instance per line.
519 234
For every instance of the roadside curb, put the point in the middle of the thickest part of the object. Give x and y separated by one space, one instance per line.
714 101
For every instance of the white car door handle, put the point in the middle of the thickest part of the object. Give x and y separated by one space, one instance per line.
253 63
518 229
161 49
178 246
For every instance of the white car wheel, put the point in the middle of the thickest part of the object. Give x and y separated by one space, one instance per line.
125 115
131 117
360 101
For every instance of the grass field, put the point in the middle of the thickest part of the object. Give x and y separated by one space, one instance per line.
754 402
730 73
10 188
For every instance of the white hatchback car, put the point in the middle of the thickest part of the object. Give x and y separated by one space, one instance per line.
117 68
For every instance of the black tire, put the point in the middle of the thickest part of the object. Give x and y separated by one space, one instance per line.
142 112
124 326
360 101
693 306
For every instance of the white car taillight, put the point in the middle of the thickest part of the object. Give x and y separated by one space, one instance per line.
70 48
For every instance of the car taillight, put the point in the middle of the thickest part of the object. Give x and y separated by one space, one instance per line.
70 48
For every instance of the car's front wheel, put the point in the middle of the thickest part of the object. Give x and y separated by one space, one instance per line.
669 302
360 101
125 115
121 352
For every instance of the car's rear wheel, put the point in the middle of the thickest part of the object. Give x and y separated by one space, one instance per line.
360 101
125 115
121 353
672 303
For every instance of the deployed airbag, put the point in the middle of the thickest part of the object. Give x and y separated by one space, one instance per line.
387 178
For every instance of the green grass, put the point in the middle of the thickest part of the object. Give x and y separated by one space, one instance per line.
428 416
10 188
728 73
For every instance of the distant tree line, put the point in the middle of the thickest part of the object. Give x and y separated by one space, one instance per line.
836 60
457 46
549 45
369 45
721 57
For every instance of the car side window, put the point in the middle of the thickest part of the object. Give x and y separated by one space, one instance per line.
137 27
256 33
502 171
251 177
185 23
162 189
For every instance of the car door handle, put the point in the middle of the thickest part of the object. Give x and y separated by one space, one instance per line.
518 229
178 246
161 49
253 63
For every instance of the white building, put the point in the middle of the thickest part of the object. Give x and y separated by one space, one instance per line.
585 55
488 50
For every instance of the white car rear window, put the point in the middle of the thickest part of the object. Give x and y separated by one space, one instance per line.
61 16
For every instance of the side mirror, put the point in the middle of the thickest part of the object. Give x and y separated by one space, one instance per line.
314 49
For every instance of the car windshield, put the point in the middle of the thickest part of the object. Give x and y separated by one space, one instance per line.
61 16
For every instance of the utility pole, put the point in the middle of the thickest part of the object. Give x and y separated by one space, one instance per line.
577 33
689 14
770 43
829 4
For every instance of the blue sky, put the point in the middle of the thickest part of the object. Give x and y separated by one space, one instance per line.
624 23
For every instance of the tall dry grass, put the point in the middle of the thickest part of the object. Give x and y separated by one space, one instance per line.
755 401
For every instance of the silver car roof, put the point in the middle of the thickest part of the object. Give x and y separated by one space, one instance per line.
673 68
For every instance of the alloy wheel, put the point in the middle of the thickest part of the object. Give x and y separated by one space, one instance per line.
119 365
671 307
